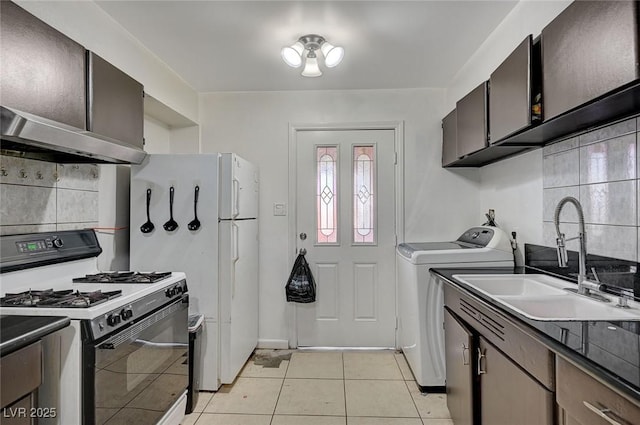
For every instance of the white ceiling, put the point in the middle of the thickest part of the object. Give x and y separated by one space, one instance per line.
235 45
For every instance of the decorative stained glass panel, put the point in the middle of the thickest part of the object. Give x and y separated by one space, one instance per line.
364 198
327 195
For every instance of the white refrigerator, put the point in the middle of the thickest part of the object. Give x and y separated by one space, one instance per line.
219 256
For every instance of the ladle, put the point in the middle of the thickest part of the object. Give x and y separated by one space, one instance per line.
170 225
195 223
148 226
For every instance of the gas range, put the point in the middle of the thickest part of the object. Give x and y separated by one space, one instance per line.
123 277
57 299
126 315
114 306
55 274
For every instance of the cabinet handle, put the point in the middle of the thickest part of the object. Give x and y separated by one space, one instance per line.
465 351
481 355
604 413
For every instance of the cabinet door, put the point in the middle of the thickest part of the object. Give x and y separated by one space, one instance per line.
449 139
508 395
510 97
43 71
116 103
459 370
586 401
590 49
472 121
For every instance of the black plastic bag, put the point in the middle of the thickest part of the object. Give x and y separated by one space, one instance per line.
301 287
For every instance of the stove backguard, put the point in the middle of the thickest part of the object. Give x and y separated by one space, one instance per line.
18 252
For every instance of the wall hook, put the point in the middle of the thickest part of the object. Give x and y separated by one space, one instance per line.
39 176
23 174
3 172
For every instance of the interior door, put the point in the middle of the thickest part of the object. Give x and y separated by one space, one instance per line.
345 215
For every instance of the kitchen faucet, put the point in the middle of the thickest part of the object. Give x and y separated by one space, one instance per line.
584 286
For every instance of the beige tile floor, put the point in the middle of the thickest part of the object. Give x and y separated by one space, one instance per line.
322 388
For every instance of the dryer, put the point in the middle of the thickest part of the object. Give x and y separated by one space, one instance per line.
421 297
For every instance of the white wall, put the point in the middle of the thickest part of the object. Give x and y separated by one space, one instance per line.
512 187
89 25
157 136
185 139
439 203
161 138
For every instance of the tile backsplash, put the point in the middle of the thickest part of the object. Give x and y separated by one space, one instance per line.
37 196
600 168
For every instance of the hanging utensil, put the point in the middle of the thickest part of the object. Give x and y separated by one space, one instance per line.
148 226
195 223
170 225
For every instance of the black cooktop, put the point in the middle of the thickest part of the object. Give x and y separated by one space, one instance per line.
123 277
57 299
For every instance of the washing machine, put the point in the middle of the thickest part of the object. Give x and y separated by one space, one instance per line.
421 297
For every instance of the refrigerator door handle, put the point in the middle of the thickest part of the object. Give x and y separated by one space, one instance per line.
236 198
235 256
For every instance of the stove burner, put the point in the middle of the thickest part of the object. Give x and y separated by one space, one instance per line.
123 277
58 299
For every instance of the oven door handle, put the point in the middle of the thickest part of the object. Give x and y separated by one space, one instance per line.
161 344
132 332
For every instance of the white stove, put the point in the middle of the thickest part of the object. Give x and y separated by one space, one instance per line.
139 329
129 293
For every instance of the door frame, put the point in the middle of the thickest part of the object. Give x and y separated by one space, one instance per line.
398 140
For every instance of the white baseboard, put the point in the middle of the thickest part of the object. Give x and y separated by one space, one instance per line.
274 344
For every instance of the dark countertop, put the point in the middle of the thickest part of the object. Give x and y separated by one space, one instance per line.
19 331
607 350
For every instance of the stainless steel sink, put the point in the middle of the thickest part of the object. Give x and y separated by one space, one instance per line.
542 297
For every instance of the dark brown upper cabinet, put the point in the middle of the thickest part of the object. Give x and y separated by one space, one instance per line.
472 120
449 138
588 50
115 102
43 71
83 109
515 91
589 70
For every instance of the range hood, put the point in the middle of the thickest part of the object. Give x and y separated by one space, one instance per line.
29 136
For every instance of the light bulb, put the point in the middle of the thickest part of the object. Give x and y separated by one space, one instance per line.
311 68
292 55
332 55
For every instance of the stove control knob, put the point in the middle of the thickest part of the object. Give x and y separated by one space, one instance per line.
58 243
179 289
126 313
170 292
113 319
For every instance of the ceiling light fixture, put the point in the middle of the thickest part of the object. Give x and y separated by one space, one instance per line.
311 43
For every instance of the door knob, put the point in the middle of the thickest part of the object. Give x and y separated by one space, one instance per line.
303 236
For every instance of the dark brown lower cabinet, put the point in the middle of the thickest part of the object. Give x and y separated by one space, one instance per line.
485 386
508 395
585 401
459 369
